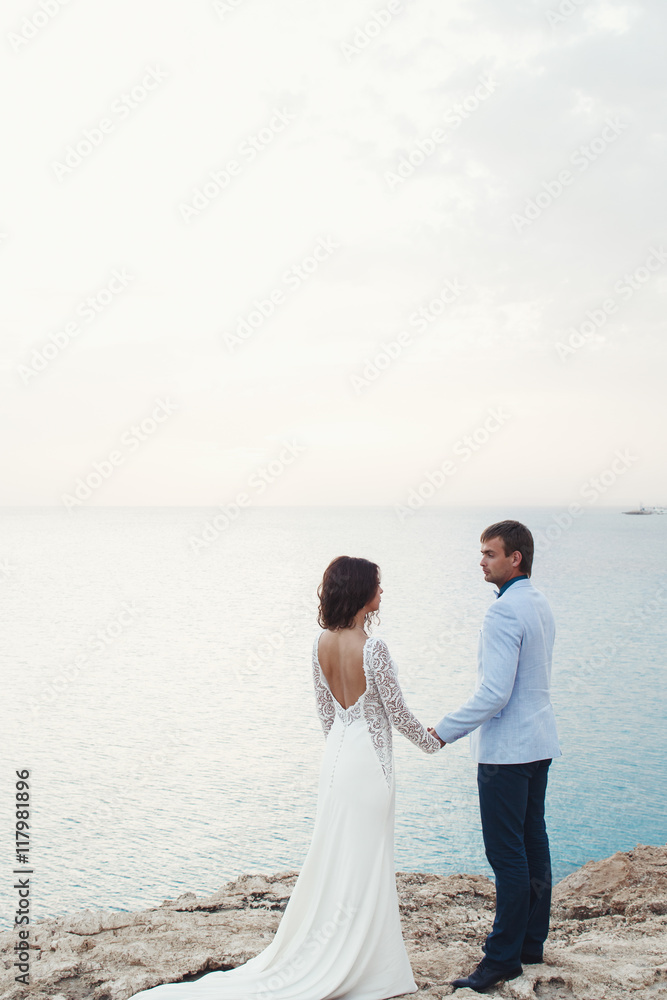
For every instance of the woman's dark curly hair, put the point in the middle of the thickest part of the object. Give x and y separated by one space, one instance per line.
347 585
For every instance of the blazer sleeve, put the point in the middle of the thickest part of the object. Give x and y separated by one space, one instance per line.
501 643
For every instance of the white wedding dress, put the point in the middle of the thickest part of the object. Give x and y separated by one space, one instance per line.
340 935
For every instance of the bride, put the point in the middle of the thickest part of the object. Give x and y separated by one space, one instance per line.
340 935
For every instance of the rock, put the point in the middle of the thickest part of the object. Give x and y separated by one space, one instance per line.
608 937
632 883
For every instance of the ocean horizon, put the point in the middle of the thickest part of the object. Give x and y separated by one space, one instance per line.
159 690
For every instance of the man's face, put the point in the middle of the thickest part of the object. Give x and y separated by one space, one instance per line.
498 568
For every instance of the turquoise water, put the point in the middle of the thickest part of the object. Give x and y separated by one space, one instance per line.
162 698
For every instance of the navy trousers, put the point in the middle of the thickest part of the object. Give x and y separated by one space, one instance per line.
511 802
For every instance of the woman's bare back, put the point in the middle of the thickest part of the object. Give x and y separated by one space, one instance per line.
341 657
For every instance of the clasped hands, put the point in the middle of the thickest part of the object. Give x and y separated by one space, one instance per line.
433 733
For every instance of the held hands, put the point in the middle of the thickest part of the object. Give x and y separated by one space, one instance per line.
433 733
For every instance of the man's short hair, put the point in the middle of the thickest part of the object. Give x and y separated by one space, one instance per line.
516 538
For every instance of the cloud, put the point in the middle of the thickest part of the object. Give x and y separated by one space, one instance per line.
556 92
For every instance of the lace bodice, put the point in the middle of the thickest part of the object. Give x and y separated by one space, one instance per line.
382 704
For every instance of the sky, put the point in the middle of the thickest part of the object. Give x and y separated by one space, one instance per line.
333 253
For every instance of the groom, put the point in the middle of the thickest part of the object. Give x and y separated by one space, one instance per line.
513 739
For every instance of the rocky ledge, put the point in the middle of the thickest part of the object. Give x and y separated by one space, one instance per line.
608 937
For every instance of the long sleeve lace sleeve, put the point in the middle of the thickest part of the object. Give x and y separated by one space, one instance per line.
323 698
397 711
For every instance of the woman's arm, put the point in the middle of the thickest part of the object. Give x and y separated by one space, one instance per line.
323 698
397 711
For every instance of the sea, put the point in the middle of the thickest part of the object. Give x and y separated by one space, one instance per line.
157 689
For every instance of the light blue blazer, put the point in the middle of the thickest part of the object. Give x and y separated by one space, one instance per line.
510 716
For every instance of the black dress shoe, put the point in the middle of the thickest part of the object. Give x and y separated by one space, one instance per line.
531 959
484 977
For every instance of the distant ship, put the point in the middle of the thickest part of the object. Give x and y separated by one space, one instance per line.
647 510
